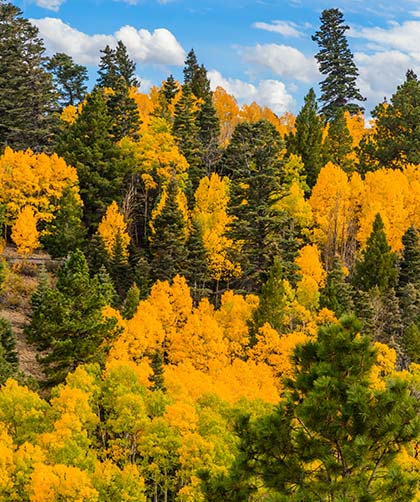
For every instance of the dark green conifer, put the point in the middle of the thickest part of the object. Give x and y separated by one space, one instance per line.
409 266
28 102
339 143
330 417
186 131
252 162
396 138
67 320
272 302
88 145
306 141
337 292
168 242
131 301
197 270
335 60
157 377
377 266
69 79
8 343
66 232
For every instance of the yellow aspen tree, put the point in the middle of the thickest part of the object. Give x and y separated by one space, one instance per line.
24 232
210 211
332 212
37 180
112 227
385 192
227 112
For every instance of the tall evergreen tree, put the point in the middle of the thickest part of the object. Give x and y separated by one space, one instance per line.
396 138
410 260
337 292
28 102
167 244
117 72
252 161
69 78
306 141
339 143
335 60
195 77
197 271
377 266
67 320
88 146
272 301
186 131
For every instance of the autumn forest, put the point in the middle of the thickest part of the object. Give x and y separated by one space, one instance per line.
201 300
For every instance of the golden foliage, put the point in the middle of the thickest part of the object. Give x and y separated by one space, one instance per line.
24 232
113 227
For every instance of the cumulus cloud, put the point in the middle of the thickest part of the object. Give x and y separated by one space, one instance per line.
50 4
157 47
283 60
271 93
285 28
380 73
400 36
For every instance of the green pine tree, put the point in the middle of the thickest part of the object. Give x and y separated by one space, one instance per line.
335 60
131 302
69 79
186 131
272 302
409 265
88 145
28 102
396 137
377 266
339 143
66 231
8 343
333 437
168 243
252 162
197 271
306 141
67 320
337 292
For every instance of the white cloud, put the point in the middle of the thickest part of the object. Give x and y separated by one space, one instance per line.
285 28
381 73
283 60
271 93
403 37
160 46
157 47
50 4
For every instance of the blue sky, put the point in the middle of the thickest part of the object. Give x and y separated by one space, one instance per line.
257 50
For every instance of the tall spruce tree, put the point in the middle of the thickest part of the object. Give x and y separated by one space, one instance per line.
306 140
377 267
410 260
337 292
168 242
395 141
339 143
335 60
117 72
67 320
252 161
89 146
69 78
28 102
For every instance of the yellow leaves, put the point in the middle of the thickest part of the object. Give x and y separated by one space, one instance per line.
384 367
211 202
24 232
309 262
54 483
227 112
113 228
156 154
36 180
